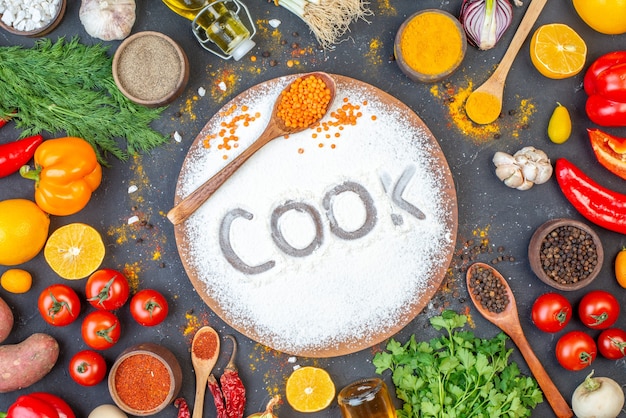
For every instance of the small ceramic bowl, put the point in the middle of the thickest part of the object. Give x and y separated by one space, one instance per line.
144 379
150 69
44 30
422 51
535 258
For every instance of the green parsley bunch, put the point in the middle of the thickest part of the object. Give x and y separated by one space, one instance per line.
457 375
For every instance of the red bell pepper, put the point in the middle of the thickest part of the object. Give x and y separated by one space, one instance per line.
14 155
39 405
605 84
598 204
610 151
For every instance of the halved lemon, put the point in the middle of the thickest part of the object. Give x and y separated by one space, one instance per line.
557 51
74 251
309 389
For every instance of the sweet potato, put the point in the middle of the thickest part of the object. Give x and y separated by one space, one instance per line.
25 363
6 320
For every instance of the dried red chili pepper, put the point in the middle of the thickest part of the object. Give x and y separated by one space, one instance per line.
183 408
232 386
14 155
218 397
598 204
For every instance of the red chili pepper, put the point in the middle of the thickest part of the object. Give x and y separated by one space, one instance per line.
605 84
40 405
232 386
14 155
218 397
610 151
183 408
598 204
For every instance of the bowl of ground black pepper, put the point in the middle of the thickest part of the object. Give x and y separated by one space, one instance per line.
144 379
565 254
150 69
430 45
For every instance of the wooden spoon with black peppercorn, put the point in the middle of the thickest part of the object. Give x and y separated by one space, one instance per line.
494 299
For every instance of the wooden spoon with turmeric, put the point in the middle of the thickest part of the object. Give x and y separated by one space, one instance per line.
281 123
484 105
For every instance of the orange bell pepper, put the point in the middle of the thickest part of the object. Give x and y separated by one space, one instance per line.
66 173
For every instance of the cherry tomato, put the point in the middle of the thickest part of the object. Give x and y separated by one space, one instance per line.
148 307
101 329
88 368
598 309
612 343
107 289
551 312
575 350
59 305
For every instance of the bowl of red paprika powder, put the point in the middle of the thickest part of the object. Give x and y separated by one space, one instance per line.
144 379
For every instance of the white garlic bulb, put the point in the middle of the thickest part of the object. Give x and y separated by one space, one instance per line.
525 168
107 19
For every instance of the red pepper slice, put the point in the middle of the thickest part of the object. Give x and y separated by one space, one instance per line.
610 151
598 204
599 65
14 155
605 112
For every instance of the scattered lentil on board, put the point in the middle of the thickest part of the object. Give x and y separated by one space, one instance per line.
142 382
568 254
422 53
488 289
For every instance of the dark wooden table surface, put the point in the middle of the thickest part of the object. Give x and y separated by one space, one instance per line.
489 213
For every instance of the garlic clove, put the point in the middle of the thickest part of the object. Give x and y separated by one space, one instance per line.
527 184
500 158
530 171
544 172
515 180
505 171
108 19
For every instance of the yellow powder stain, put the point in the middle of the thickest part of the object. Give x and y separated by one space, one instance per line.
156 255
509 125
187 109
131 271
470 320
192 324
223 84
385 8
482 234
373 54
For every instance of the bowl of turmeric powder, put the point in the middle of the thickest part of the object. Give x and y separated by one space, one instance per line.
430 45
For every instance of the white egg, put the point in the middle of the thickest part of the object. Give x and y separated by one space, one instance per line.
107 411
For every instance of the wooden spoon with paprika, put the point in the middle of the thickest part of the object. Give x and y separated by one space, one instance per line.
275 128
205 349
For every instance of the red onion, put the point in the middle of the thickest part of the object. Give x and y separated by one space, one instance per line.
485 21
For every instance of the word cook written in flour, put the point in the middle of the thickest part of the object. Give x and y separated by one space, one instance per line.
335 228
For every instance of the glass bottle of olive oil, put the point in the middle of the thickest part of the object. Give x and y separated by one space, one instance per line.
217 23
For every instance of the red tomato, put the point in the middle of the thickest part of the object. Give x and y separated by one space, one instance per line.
59 305
107 289
598 309
148 307
101 329
551 312
575 350
612 343
88 368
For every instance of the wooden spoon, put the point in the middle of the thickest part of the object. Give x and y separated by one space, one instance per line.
274 129
508 321
484 105
203 363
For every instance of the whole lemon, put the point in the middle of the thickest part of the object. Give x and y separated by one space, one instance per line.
23 231
604 16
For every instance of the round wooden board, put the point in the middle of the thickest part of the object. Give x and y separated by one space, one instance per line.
191 177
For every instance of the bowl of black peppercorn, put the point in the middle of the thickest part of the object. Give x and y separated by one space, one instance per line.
565 254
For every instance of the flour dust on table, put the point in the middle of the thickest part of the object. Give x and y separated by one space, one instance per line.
327 241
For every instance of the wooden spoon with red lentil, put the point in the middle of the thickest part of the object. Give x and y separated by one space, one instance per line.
301 104
494 299
205 349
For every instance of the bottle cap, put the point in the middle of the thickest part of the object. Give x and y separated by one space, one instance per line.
242 49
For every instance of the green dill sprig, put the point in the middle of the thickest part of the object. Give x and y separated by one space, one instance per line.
69 87
457 375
